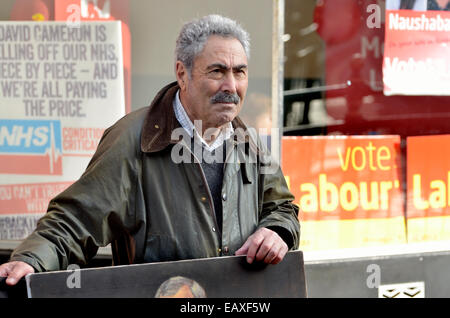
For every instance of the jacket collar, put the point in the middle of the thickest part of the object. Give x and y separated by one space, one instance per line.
160 122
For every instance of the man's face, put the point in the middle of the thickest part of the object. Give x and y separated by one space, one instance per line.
216 89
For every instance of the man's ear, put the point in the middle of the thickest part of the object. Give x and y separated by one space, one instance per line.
182 75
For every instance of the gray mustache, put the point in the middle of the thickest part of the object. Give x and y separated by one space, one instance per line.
222 97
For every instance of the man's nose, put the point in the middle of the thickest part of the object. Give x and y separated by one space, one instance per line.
229 83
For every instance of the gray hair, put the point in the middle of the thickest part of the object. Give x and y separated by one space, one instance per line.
194 34
171 286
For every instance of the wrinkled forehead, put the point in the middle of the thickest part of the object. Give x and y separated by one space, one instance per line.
224 51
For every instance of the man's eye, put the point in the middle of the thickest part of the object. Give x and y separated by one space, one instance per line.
216 73
241 73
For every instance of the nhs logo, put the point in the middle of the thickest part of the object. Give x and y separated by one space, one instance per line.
30 147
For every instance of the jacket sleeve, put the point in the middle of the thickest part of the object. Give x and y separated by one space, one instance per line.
277 210
90 213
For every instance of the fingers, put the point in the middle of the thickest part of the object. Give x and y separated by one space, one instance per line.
274 257
264 245
243 250
272 249
255 242
15 271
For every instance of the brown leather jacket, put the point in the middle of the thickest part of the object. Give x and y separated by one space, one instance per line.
152 209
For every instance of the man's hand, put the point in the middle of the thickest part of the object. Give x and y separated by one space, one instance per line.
264 245
15 271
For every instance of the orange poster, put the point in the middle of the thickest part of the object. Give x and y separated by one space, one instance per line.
428 178
348 189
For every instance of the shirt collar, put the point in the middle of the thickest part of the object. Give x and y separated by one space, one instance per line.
186 123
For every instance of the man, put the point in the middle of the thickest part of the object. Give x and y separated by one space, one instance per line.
137 195
180 287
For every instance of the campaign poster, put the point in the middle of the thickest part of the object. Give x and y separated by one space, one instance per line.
428 178
348 189
102 10
417 48
353 33
195 278
60 88
75 11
